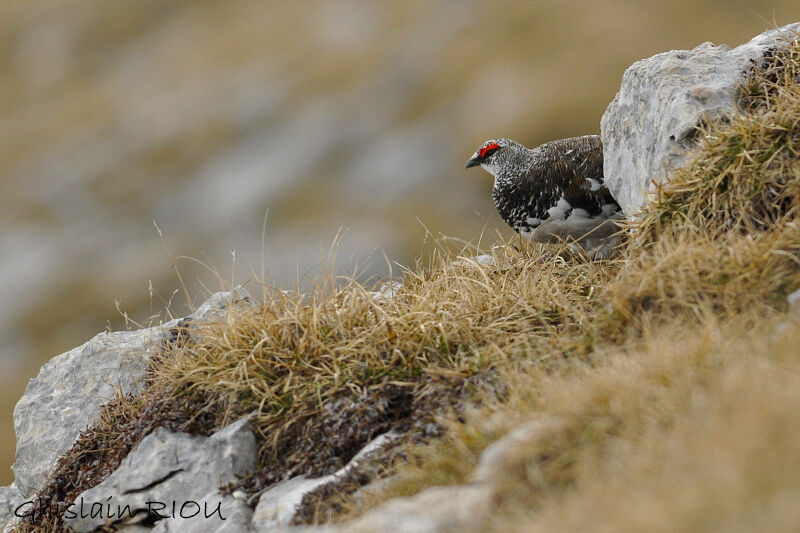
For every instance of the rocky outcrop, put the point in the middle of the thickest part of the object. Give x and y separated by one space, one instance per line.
10 498
278 505
457 509
648 129
794 301
65 397
175 479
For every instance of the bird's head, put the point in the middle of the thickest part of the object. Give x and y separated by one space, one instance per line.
494 154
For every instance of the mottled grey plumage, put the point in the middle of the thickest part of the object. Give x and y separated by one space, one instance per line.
554 191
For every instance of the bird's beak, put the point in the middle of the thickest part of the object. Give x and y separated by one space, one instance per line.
473 162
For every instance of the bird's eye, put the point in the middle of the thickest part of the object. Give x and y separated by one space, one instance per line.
489 149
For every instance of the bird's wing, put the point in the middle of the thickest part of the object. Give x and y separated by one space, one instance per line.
571 169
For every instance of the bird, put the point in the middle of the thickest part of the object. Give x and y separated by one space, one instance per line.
554 192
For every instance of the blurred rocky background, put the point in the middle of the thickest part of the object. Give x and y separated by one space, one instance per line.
201 116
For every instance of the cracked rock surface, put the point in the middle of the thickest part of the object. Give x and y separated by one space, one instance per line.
171 474
174 478
278 505
65 397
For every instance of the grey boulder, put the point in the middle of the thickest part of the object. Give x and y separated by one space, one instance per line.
648 129
65 397
174 478
794 301
278 505
456 509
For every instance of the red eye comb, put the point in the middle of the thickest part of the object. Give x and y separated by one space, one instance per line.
487 148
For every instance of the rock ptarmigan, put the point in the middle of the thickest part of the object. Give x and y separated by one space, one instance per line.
553 192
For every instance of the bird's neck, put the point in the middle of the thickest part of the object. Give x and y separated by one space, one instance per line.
510 201
517 164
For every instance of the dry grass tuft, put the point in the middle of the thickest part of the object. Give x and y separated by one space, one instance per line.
677 432
330 370
688 276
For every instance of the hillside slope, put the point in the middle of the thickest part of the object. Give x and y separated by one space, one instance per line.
654 391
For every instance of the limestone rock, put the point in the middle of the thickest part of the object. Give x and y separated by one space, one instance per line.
794 301
648 128
461 508
10 498
65 397
483 259
214 309
518 441
386 292
176 476
278 505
